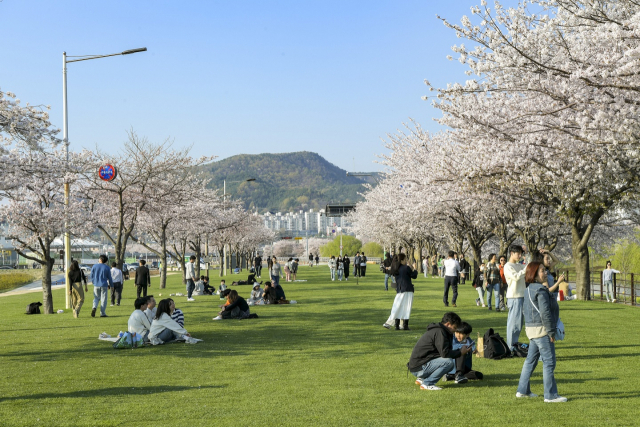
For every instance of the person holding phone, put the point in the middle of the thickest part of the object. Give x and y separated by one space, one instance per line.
463 370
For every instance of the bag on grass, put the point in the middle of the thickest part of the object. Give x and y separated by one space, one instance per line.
520 350
34 308
127 340
495 346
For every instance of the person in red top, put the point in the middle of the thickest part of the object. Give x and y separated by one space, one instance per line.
503 282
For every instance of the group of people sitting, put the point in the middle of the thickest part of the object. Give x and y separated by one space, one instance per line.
157 324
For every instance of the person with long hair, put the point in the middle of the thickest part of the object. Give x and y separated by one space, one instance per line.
401 309
237 308
386 264
76 277
164 328
541 314
346 262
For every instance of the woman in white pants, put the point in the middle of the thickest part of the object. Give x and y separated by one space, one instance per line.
401 309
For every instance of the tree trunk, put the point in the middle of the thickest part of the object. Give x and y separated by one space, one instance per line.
580 252
47 298
198 256
163 271
477 259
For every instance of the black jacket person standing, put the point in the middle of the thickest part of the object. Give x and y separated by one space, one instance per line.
143 278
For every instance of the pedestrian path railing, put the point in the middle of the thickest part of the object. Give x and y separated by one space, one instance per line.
625 286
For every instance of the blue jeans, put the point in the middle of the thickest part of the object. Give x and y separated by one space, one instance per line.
515 320
340 274
333 273
100 294
167 335
275 279
386 282
608 289
433 370
190 287
540 348
495 291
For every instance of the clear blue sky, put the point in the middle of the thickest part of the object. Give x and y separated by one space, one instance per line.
232 77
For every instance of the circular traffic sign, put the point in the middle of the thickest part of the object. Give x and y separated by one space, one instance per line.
107 172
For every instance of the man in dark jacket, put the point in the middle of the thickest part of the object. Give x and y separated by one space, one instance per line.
464 269
257 262
433 356
143 278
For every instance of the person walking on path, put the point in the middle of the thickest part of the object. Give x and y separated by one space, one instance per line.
340 268
275 271
356 265
76 277
190 276
401 309
451 271
143 279
514 273
386 264
492 282
310 260
607 279
347 262
102 282
317 259
464 269
116 289
541 313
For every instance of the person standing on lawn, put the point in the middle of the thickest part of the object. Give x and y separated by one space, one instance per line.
503 283
143 279
76 277
356 265
386 264
492 282
190 276
464 269
514 273
101 279
401 309
275 271
363 264
607 279
346 263
433 355
451 271
541 314
257 262
116 289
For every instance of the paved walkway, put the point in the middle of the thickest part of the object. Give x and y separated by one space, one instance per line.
57 282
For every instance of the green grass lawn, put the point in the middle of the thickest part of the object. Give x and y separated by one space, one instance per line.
324 361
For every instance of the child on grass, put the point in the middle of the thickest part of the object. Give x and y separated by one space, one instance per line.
462 372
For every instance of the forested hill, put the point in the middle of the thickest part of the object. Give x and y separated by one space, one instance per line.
284 182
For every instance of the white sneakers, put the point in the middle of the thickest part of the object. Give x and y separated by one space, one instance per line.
558 399
190 299
530 395
217 318
429 387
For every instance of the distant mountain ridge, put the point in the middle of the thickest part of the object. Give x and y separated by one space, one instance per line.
284 181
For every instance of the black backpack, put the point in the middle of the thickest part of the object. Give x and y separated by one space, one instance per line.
34 308
495 346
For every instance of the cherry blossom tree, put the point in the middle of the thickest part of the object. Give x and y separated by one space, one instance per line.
36 214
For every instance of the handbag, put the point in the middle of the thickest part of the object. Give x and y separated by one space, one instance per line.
559 325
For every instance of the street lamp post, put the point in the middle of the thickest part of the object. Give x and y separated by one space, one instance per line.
65 136
224 207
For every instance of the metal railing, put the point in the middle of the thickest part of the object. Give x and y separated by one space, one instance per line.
625 287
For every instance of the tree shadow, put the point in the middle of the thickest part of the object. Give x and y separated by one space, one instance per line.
112 391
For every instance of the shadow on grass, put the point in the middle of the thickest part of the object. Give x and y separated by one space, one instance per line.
113 391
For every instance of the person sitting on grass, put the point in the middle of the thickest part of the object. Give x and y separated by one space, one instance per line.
463 370
256 295
236 309
208 289
176 313
433 354
151 308
280 296
199 289
269 294
138 321
222 287
164 328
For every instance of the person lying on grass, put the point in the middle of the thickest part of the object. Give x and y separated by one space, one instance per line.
433 354
164 328
237 308
463 370
138 321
